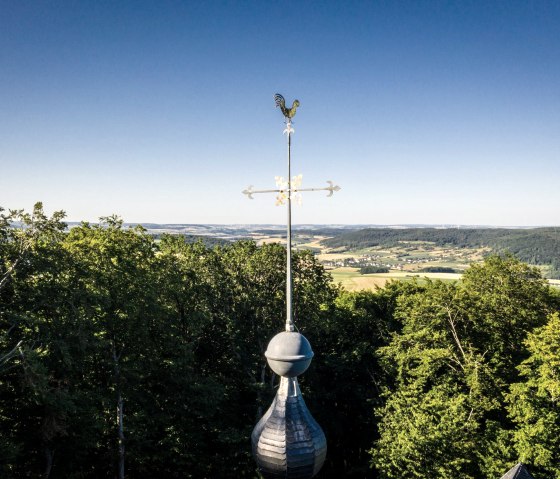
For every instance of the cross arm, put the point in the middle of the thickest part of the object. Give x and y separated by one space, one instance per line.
331 189
250 192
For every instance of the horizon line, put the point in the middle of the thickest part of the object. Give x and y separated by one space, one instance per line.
335 225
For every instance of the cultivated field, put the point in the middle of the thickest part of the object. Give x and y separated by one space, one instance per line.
352 280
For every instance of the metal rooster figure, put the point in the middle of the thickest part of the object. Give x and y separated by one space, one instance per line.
279 99
287 442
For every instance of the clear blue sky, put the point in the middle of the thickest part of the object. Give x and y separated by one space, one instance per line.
424 112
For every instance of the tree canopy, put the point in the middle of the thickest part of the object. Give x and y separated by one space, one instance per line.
122 354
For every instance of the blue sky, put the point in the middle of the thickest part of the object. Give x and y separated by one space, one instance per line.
424 112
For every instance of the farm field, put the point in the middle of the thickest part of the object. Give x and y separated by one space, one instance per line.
352 280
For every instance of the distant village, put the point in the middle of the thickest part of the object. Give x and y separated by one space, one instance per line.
377 261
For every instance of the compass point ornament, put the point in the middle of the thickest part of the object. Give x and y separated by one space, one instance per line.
289 130
249 192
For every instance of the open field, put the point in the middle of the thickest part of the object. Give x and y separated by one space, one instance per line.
352 280
406 257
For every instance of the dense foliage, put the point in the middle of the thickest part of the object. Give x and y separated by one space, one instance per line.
452 363
437 269
373 269
538 246
123 356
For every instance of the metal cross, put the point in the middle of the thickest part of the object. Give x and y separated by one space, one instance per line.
288 190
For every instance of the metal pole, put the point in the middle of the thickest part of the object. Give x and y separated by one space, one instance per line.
289 313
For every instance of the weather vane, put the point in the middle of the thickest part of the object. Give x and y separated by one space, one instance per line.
289 190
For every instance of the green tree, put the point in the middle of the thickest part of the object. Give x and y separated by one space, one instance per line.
451 362
23 239
30 258
115 272
345 377
534 403
427 423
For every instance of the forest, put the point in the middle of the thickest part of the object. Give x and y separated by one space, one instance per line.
123 355
537 246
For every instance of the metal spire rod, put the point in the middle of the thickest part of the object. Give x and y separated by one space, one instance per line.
287 189
289 284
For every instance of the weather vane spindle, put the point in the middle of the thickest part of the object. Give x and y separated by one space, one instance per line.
289 189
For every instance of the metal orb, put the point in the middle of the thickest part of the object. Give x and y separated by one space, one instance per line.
289 354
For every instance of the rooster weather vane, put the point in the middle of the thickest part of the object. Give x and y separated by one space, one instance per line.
279 99
287 442
289 190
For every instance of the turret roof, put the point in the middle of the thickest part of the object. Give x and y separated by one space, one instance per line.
519 471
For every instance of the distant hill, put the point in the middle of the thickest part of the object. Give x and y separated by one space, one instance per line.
208 241
538 246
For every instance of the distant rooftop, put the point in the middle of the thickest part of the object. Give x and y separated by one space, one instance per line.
519 471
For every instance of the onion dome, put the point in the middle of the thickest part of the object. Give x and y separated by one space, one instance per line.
287 442
289 354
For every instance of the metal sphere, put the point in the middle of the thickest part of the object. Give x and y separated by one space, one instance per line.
289 354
